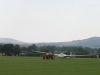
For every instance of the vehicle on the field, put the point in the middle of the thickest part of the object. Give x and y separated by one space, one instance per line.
46 55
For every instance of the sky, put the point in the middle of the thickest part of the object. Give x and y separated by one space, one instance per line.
35 21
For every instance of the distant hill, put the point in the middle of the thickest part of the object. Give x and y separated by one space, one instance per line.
93 42
90 42
13 41
8 40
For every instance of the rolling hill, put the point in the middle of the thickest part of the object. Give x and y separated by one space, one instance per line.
8 40
13 41
89 42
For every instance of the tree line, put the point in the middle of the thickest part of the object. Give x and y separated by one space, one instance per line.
16 50
10 49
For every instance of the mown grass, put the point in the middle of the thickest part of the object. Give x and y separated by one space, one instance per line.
38 66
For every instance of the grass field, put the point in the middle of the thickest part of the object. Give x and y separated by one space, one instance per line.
38 66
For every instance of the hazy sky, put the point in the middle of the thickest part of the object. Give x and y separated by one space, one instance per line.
49 20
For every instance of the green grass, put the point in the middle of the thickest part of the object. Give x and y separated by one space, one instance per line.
38 66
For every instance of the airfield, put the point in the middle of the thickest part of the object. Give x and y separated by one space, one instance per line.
37 66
